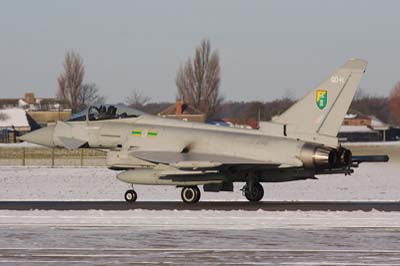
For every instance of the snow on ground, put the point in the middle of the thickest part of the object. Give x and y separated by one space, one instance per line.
373 143
143 237
19 145
202 220
370 182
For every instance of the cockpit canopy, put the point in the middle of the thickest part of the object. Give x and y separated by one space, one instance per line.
104 112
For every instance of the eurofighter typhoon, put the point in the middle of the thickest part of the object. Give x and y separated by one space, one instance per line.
152 150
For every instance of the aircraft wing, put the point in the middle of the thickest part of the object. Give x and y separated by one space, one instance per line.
198 161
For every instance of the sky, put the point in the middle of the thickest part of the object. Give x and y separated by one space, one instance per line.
268 49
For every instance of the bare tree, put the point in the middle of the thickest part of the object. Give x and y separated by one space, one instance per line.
137 99
289 94
70 81
71 89
198 80
366 104
360 94
394 103
89 95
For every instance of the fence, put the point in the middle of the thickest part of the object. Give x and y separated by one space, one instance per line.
7 136
38 156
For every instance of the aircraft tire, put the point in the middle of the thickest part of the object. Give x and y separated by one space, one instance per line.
130 196
190 195
257 193
198 193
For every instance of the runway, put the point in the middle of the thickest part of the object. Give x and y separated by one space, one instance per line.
195 256
55 244
209 205
209 233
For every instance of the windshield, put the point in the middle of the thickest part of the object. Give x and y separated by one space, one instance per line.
103 112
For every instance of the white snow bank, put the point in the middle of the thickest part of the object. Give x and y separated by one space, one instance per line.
362 129
372 143
369 182
200 220
19 145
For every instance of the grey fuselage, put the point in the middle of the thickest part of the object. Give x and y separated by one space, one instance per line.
176 136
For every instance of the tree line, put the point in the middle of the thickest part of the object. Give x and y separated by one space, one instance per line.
198 82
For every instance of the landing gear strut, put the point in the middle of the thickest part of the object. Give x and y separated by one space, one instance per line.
253 192
190 194
130 196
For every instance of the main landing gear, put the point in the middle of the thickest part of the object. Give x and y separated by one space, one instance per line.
130 196
190 194
253 191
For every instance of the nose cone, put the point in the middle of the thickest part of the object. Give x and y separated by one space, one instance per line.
43 136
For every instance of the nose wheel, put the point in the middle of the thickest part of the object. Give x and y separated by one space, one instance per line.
130 196
190 194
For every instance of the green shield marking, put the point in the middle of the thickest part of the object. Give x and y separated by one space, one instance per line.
321 98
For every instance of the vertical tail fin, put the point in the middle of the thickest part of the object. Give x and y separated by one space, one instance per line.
322 110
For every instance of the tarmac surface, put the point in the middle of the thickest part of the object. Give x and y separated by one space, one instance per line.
212 233
216 205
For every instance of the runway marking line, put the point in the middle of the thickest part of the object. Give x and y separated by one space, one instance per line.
198 227
45 261
208 263
208 250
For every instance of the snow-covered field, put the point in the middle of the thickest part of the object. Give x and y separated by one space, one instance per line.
369 182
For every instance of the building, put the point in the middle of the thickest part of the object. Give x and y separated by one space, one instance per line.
45 117
250 123
183 111
15 122
357 120
362 128
42 110
358 134
30 103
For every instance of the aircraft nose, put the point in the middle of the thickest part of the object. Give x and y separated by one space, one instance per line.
43 136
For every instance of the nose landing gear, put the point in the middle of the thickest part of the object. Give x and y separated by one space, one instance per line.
130 196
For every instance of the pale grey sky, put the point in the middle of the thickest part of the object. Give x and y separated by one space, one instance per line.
266 47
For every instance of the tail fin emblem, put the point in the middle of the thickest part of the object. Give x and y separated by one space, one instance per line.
321 99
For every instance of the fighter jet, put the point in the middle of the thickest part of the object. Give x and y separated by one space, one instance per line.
151 150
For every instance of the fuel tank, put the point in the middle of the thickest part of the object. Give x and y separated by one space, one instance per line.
169 177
